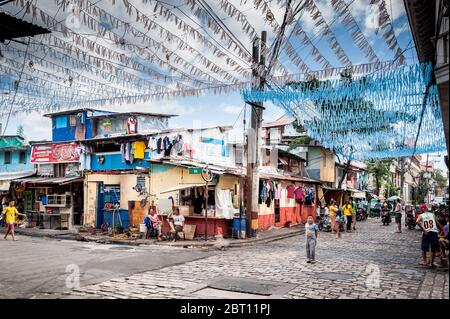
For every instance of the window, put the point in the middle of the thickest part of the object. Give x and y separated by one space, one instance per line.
7 157
61 121
22 157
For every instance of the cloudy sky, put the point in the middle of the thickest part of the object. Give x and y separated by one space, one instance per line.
227 109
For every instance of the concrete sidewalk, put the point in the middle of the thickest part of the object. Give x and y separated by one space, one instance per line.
262 237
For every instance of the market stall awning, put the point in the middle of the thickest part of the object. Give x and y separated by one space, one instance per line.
183 186
49 180
357 193
9 176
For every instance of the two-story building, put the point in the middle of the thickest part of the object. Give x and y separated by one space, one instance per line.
14 163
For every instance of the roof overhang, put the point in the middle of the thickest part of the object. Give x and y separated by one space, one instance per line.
12 28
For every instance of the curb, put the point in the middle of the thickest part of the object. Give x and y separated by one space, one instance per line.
79 237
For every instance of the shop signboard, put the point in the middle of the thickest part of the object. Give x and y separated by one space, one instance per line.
46 170
195 170
55 153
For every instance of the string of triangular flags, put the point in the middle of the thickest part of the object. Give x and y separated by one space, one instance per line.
378 114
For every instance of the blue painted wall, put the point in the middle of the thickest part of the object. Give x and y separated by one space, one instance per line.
15 166
61 134
124 217
113 161
67 133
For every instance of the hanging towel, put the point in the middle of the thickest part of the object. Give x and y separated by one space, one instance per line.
224 204
139 150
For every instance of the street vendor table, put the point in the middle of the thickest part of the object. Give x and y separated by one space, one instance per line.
50 217
216 226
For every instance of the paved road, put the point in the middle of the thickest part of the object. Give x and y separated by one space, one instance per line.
33 266
372 262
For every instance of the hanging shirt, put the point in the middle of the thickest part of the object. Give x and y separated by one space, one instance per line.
131 123
139 150
278 191
290 191
299 194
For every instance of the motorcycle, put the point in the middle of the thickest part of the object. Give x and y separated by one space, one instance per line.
410 221
325 223
386 217
361 215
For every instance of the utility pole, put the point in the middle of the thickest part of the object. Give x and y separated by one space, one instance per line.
253 137
402 179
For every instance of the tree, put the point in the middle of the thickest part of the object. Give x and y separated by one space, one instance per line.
440 179
390 189
20 131
379 169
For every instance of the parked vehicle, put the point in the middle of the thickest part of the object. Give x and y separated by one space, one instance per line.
361 214
410 221
386 215
325 223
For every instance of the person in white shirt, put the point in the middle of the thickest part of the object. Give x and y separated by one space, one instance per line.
178 222
430 238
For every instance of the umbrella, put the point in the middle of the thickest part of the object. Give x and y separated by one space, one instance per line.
393 198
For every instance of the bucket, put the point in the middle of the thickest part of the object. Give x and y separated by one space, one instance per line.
239 227
142 228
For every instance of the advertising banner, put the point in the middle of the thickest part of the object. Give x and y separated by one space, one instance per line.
55 153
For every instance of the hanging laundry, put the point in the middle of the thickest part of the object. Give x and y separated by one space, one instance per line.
167 145
131 125
299 194
84 155
139 149
159 147
123 151
290 191
224 204
261 192
278 191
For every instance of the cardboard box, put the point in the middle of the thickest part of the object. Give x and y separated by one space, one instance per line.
186 210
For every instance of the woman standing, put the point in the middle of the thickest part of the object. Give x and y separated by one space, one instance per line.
333 211
348 215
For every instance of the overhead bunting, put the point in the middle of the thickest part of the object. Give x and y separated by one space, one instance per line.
378 115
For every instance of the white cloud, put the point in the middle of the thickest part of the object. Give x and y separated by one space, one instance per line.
232 109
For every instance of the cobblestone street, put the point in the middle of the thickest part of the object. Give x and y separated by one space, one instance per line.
373 262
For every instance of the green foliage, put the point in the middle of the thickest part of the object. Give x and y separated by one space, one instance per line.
391 189
440 179
299 141
379 169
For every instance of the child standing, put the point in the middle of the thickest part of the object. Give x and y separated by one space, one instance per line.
311 232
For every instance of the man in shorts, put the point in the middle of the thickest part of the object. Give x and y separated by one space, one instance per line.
430 236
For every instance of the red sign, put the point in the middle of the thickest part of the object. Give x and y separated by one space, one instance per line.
55 153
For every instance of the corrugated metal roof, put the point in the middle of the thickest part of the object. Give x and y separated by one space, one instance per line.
12 141
282 121
48 180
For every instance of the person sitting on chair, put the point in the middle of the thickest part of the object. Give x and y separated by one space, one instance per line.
178 222
156 223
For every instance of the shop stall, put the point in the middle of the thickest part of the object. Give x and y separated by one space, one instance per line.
52 202
219 202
